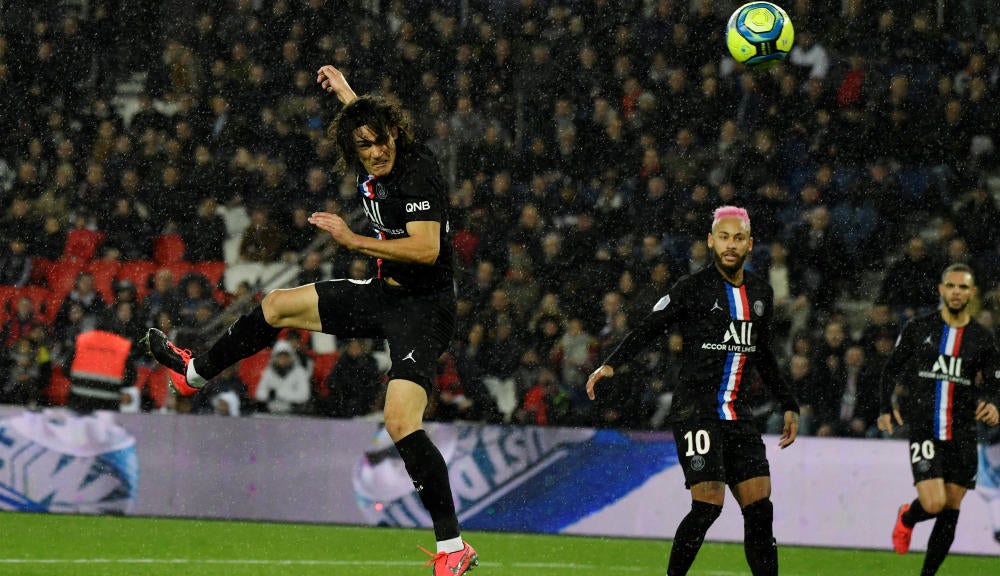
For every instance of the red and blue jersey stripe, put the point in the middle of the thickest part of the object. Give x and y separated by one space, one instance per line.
367 186
944 390
732 372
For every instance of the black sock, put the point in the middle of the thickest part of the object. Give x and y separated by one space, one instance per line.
429 473
247 336
940 541
758 538
915 514
690 534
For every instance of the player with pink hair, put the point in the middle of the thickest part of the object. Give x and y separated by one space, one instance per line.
723 314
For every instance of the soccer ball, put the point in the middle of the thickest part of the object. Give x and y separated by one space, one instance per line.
759 35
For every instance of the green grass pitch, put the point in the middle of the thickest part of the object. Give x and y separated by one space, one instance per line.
41 544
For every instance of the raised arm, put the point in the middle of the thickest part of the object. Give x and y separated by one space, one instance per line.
332 80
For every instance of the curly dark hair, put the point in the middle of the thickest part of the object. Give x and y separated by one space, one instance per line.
379 114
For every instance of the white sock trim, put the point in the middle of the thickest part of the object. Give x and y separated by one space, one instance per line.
452 545
193 378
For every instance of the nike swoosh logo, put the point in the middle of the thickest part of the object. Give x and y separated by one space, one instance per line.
462 561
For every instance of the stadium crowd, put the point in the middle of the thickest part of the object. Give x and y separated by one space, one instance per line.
584 143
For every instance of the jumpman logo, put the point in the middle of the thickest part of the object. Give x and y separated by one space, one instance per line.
410 356
716 306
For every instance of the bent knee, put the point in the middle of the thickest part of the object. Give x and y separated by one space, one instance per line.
933 505
399 427
271 306
291 308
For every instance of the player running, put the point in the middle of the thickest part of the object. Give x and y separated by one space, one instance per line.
944 371
723 314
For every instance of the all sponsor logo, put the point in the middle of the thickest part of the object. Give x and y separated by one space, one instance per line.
737 338
946 368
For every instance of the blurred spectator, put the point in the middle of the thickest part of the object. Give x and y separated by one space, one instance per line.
909 285
26 374
20 322
574 356
86 297
205 237
15 263
262 241
127 231
162 298
354 386
195 293
284 386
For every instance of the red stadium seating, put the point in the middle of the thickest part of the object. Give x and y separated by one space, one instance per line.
40 268
104 272
179 269
154 381
82 244
214 271
62 275
168 248
250 369
57 391
323 365
138 273
46 302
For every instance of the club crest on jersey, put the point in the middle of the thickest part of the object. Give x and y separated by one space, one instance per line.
758 308
371 189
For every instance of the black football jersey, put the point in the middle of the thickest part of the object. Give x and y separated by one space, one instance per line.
413 192
944 372
726 332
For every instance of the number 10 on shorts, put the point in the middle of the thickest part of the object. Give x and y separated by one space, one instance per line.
698 442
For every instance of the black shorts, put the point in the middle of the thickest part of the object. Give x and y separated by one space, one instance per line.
955 461
729 451
418 327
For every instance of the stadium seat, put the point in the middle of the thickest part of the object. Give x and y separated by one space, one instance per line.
62 276
6 306
322 366
251 369
168 248
82 244
138 273
104 273
46 302
214 271
40 270
155 383
57 391
179 269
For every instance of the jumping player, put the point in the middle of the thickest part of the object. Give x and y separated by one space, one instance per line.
410 303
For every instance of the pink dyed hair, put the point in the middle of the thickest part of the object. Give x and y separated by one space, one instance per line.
730 212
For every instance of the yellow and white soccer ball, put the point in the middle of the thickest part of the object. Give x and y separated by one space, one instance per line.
759 35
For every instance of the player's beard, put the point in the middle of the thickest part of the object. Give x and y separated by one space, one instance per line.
959 310
729 270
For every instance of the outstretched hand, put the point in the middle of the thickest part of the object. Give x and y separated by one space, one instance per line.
337 228
603 371
333 80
